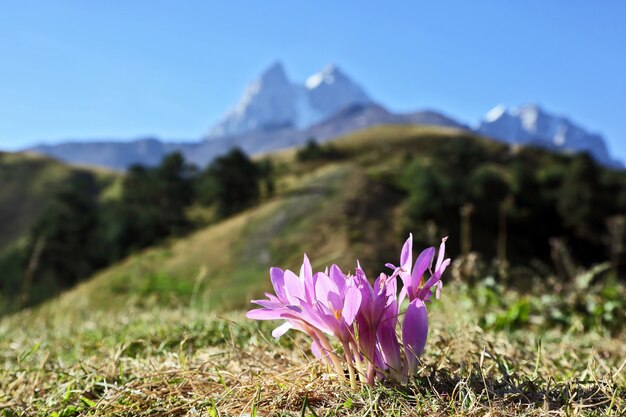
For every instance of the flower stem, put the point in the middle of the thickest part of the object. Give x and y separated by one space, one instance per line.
331 354
349 360
357 361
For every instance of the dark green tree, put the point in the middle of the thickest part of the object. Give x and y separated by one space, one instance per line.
152 206
236 182
63 248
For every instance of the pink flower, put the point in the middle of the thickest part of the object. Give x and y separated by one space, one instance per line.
361 317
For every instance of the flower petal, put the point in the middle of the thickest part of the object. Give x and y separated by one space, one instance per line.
306 271
389 346
294 288
414 333
425 290
442 251
338 277
406 256
327 293
316 349
264 314
282 329
268 304
277 276
351 305
423 262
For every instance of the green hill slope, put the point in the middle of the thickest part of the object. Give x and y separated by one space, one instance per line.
27 181
356 204
29 185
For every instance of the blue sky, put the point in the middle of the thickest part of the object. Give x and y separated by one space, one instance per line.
125 69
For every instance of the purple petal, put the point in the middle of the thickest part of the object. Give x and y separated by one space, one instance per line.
389 346
338 277
406 256
277 276
316 349
423 262
442 268
327 293
391 288
272 298
313 317
294 288
402 295
268 304
351 305
442 251
414 332
306 271
264 314
438 291
425 290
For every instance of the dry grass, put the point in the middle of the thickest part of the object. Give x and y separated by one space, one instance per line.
180 362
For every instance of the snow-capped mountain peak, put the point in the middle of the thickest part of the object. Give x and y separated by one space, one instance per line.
531 124
272 101
330 90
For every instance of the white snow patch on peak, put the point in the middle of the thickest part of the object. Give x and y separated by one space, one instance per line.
495 113
529 116
560 136
326 76
314 80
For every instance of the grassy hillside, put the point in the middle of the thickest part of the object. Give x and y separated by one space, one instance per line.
30 185
162 333
333 210
222 265
152 361
27 183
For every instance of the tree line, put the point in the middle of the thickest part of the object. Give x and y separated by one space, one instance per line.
80 232
517 205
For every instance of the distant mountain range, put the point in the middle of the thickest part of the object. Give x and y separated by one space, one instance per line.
276 113
532 125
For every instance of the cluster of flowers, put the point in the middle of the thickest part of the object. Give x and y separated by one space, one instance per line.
363 318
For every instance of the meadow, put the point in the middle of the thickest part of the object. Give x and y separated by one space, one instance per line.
154 361
528 332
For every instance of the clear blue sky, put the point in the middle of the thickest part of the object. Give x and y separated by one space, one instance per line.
124 69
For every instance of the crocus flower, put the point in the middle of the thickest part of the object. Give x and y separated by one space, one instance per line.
293 300
361 317
415 324
376 323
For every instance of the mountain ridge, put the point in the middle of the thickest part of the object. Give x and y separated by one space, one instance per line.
275 113
121 155
530 124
